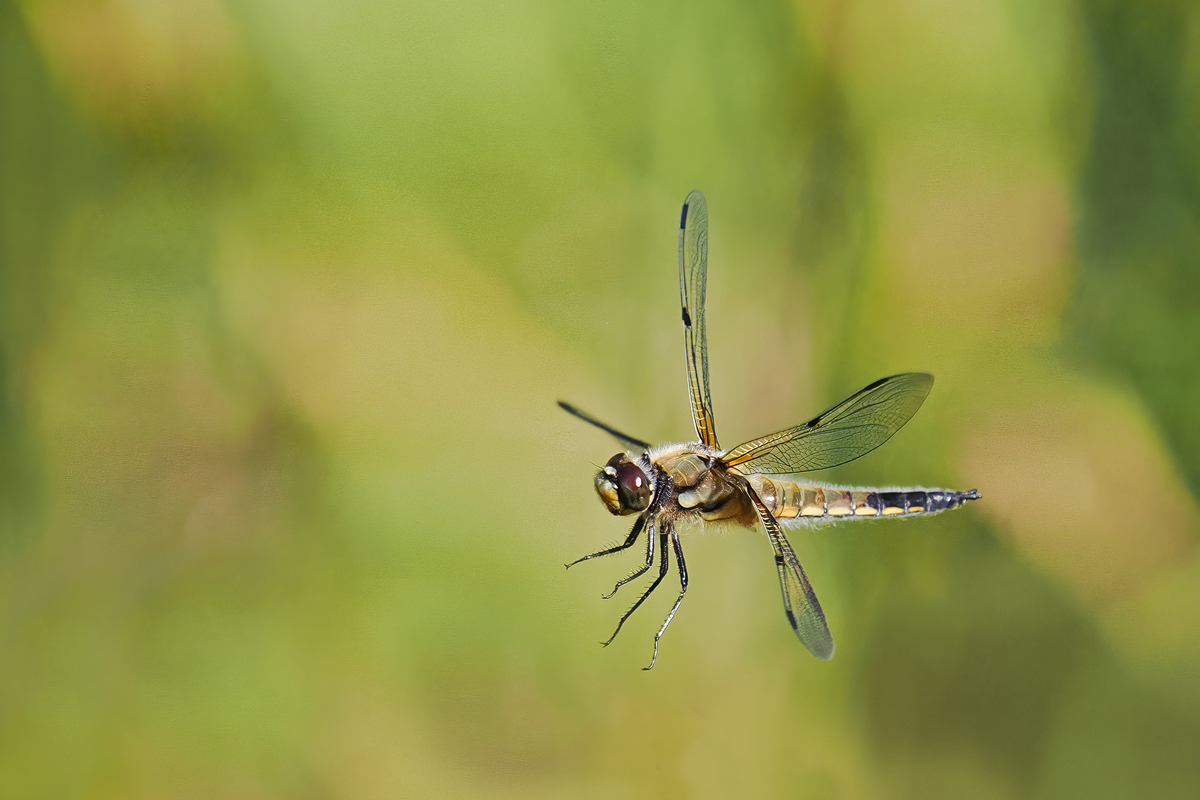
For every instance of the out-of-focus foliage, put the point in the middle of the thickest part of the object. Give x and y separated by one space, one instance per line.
287 294
1138 311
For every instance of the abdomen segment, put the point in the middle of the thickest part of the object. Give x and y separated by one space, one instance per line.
787 499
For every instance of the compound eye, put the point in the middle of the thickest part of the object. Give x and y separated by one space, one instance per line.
630 477
633 486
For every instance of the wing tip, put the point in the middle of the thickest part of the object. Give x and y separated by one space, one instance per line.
824 647
823 650
694 197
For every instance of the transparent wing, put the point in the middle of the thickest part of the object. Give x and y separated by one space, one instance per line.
628 441
852 428
799 601
693 271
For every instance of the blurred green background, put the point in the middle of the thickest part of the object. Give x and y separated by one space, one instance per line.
288 291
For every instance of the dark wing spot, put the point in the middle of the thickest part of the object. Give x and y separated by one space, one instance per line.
683 217
687 319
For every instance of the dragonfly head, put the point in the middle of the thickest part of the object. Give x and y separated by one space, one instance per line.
623 486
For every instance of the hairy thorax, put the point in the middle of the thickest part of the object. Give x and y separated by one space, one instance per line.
700 487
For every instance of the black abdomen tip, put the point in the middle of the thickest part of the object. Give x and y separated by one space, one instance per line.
958 498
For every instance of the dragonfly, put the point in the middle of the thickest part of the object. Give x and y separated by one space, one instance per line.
757 483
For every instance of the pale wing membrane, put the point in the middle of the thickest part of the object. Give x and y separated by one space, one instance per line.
850 429
799 601
693 270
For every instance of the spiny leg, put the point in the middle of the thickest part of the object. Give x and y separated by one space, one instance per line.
662 572
637 573
629 540
682 591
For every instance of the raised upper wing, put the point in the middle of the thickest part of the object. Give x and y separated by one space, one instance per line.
799 601
628 441
852 428
693 270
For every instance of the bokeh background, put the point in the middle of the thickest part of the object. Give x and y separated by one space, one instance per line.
289 290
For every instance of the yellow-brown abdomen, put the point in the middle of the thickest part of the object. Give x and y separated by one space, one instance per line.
787 499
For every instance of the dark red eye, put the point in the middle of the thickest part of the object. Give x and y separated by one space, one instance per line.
623 486
630 477
633 486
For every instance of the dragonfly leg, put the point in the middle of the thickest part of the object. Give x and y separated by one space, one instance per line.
629 540
662 572
683 580
637 573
